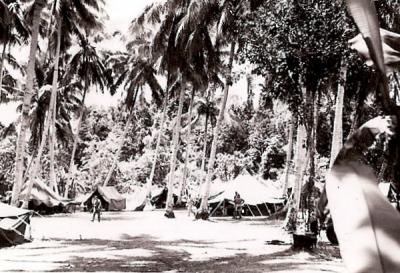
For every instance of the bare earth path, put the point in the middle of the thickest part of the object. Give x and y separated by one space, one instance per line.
149 242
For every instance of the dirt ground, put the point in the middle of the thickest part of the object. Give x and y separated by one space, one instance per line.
149 242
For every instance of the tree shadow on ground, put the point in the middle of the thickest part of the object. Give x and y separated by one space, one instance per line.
163 258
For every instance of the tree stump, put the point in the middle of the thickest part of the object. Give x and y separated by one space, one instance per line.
169 214
204 215
305 241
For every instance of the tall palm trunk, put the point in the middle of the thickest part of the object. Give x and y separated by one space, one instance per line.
50 26
121 144
48 123
158 145
76 140
301 158
289 155
210 172
188 149
337 135
175 146
203 172
53 112
3 57
203 161
26 106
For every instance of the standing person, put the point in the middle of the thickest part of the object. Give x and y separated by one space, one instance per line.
96 206
190 204
238 202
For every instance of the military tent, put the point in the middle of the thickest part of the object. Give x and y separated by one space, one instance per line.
14 225
260 199
43 198
110 198
159 197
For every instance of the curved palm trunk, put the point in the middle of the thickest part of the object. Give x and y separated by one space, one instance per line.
288 155
121 145
29 92
53 112
76 140
157 150
337 136
175 146
210 172
47 128
3 57
188 150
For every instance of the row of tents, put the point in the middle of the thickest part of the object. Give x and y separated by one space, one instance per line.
260 198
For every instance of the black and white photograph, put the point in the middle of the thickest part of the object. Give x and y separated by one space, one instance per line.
200 136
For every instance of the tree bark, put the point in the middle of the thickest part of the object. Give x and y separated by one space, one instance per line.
188 149
47 126
337 135
175 146
204 158
158 144
53 112
76 140
3 57
210 172
29 92
301 158
289 155
121 145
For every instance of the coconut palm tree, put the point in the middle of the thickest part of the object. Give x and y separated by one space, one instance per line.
38 6
138 74
12 30
70 17
87 66
227 16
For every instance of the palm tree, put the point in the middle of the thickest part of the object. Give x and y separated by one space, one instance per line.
136 71
165 51
12 30
337 135
87 66
29 92
224 16
70 16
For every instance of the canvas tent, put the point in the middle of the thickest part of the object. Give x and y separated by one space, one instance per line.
136 201
14 225
110 198
260 199
43 198
159 197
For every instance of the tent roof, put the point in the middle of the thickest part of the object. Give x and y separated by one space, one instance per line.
110 193
10 211
43 194
251 190
135 199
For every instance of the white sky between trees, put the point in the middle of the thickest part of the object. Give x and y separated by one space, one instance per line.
121 13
